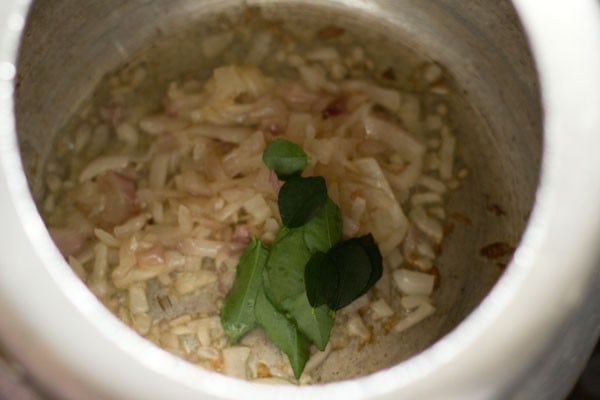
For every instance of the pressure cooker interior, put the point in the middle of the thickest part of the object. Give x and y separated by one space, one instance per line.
70 48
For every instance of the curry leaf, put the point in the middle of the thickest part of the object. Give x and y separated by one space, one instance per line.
237 315
325 229
354 271
283 333
368 243
300 199
285 265
346 272
292 291
315 323
321 279
285 158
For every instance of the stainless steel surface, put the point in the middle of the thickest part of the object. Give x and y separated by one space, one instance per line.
529 334
489 135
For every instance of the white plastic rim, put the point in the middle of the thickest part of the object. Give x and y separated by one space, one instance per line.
72 345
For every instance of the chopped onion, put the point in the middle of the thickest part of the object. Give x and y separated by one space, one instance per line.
201 247
188 282
317 359
246 157
98 283
426 224
159 169
447 153
174 259
372 174
151 258
215 44
408 177
258 208
77 267
138 302
422 312
127 133
68 240
106 238
409 303
359 205
207 353
103 164
393 240
131 226
358 304
230 81
123 278
184 219
100 262
394 258
322 150
314 78
142 322
261 46
410 114
228 134
350 227
160 124
413 282
381 309
396 137
385 97
438 212
432 184
423 263
297 126
426 198
189 343
193 183
425 249
356 327
203 335
235 361
380 222
388 98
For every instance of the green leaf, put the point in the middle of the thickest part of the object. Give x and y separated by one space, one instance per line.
300 199
285 158
237 315
368 243
283 333
285 265
345 273
354 272
281 233
315 323
284 286
324 230
321 279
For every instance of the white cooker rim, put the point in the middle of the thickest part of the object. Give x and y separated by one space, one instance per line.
91 339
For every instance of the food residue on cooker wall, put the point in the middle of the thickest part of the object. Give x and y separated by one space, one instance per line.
330 32
496 250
